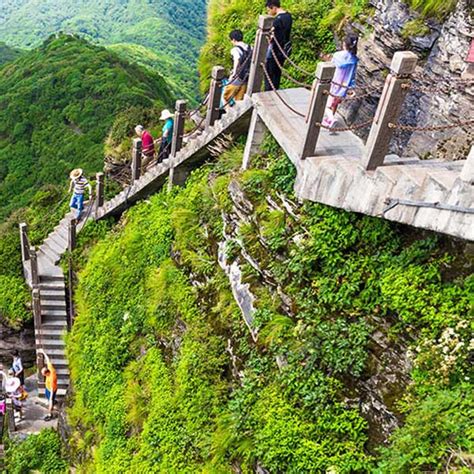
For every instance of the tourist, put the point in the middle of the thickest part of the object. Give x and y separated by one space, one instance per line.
14 391
280 44
50 382
148 144
241 58
344 77
78 185
167 136
17 367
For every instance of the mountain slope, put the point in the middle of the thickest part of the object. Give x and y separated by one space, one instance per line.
166 27
8 54
58 105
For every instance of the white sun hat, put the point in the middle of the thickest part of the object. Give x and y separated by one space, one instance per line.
166 114
12 384
76 174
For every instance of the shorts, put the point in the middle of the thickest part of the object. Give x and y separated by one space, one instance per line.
51 397
234 92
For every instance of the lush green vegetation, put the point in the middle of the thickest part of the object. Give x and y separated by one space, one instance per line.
314 22
181 386
38 453
434 8
59 104
8 54
171 32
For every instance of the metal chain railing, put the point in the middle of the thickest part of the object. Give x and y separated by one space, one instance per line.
429 128
274 89
272 40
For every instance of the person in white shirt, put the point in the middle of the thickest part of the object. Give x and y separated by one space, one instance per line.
17 368
241 58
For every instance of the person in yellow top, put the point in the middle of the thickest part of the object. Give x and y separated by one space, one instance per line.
50 382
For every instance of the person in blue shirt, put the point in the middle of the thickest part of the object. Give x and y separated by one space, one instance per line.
167 136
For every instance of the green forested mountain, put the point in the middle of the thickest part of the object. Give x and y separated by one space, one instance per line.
170 31
58 104
8 54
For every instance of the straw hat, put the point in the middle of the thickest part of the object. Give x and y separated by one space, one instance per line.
166 114
12 384
75 174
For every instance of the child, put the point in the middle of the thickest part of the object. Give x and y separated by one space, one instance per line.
344 77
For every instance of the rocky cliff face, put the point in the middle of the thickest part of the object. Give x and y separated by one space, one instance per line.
22 340
442 49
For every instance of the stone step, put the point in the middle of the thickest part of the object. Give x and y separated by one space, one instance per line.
48 303
51 280
416 175
60 363
61 393
57 324
50 332
56 355
52 256
53 343
59 239
55 246
54 312
389 173
57 294
445 179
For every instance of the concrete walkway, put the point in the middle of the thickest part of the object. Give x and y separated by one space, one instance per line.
34 410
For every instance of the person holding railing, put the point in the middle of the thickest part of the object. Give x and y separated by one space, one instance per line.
78 185
50 383
167 135
148 144
280 43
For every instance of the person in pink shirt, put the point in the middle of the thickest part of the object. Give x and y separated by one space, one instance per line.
148 144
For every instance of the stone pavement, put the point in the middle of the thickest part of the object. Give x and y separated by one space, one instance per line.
34 410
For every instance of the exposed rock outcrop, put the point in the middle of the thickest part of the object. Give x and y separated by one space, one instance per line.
442 52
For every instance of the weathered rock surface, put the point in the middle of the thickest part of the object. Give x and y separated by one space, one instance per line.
23 340
442 55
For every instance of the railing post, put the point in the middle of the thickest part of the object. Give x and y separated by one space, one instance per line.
389 108
136 159
25 246
215 94
34 267
265 24
467 172
317 106
178 131
99 190
37 308
10 416
71 241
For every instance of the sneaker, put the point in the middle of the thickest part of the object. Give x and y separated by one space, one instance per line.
48 418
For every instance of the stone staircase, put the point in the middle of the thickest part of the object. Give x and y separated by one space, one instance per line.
234 122
50 333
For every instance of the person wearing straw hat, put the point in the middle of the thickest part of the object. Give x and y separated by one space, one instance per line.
77 185
167 136
14 391
50 383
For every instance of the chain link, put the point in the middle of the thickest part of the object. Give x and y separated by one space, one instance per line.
285 103
429 128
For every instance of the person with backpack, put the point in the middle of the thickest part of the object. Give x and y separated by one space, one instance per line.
280 44
344 78
241 58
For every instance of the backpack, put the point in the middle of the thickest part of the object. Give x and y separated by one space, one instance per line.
243 68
